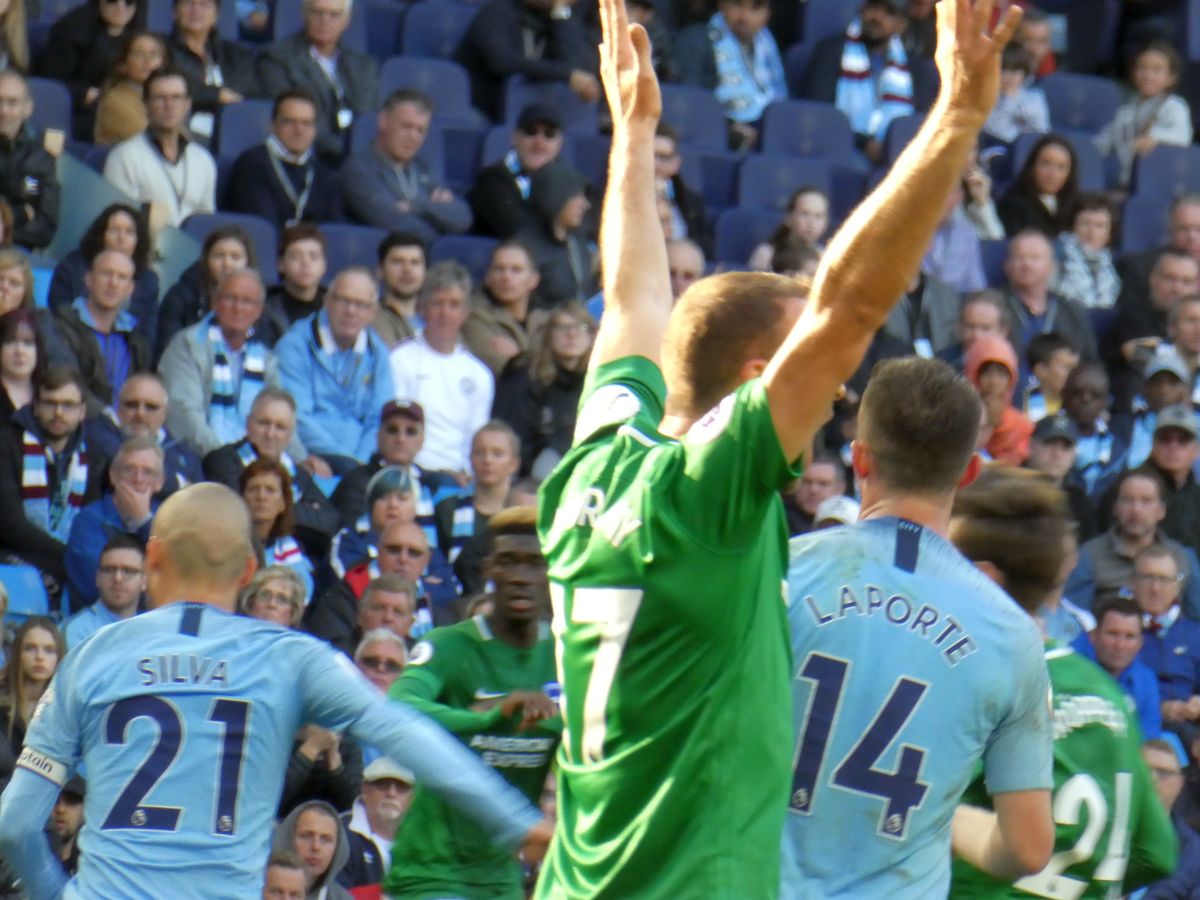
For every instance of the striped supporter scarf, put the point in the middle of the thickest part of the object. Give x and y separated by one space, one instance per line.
871 112
227 412
52 514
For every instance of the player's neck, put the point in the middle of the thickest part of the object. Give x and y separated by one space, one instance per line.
933 515
675 425
517 634
166 592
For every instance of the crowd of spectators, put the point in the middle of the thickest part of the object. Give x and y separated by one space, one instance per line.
374 412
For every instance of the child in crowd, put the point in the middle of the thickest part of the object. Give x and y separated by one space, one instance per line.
1086 273
1050 358
1020 108
1153 115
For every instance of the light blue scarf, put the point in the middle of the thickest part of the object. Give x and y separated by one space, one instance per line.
227 412
870 107
745 87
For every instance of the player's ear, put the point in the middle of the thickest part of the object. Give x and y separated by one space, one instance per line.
860 459
974 467
751 368
248 572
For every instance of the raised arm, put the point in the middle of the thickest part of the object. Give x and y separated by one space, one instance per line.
633 249
876 252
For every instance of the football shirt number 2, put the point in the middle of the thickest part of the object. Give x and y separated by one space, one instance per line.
901 790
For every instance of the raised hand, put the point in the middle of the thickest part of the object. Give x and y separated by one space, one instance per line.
968 57
627 70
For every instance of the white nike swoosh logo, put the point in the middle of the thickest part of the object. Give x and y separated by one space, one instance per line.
482 694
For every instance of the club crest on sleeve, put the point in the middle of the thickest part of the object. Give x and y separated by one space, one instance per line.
43 704
421 654
607 406
710 426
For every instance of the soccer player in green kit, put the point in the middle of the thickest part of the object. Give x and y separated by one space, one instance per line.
1112 835
663 525
489 680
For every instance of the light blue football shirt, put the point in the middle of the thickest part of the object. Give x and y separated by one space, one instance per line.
910 665
184 719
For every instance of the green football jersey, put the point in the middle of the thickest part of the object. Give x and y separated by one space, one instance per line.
1111 832
439 851
666 563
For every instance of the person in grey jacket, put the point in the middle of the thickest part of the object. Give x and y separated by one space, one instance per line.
389 187
303 833
344 81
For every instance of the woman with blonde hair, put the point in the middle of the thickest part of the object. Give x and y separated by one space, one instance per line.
275 594
14 36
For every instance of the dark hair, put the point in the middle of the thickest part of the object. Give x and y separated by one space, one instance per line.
91 244
419 99
1042 347
514 244
988 297
166 71
1121 606
1145 472
122 541
668 131
292 94
1158 45
285 524
139 15
226 233
1018 521
1016 57
783 230
920 420
6 222
55 377
301 231
828 458
401 239
128 37
791 254
11 322
1024 183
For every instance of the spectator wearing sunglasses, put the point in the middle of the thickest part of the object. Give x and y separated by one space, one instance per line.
499 197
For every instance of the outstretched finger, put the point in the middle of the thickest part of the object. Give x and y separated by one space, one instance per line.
981 16
947 14
614 23
1007 27
641 46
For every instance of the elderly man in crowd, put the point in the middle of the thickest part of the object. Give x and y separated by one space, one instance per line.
345 612
28 173
372 822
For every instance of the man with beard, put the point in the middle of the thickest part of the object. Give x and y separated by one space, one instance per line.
372 822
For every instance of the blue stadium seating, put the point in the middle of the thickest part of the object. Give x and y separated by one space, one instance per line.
1088 158
89 193
795 61
443 80
1144 222
460 154
808 129
434 28
241 126
718 178
385 24
899 133
96 156
591 158
160 16
1167 171
696 114
823 18
767 182
261 232
475 253
577 117
739 230
287 20
51 105
351 245
1080 102
993 254
177 251
26 593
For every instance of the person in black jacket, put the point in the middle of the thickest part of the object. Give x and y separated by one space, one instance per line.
344 81
281 179
557 239
82 49
687 207
499 197
539 392
1044 192
542 40
28 174
217 71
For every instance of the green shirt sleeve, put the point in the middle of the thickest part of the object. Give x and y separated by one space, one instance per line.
627 391
421 685
1153 843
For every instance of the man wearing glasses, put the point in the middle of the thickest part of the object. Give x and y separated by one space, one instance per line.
46 477
1165 762
161 166
336 368
120 580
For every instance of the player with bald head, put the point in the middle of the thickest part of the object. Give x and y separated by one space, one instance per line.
181 727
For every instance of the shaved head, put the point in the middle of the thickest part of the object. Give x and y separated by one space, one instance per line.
203 534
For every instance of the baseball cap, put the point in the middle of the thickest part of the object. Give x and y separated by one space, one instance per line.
1167 359
1058 427
409 409
539 114
838 509
388 480
1178 416
384 768
77 787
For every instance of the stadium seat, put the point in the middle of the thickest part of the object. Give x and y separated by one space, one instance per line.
739 230
591 158
177 252
795 61
767 182
460 153
809 129
993 254
261 232
823 18
26 593
444 81
51 105
287 20
365 128
96 156
1144 222
899 133
718 178
1167 171
43 272
160 17
1080 102
1088 158
351 245
577 117
241 126
696 114
475 253
89 194
434 28
385 23
53 10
